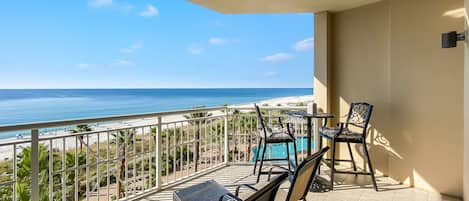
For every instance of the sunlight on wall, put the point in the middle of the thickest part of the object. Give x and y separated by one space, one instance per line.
467 17
421 182
418 180
455 13
378 138
320 95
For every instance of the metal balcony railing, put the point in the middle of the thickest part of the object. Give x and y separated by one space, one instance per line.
129 156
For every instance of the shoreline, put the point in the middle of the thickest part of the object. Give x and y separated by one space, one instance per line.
7 151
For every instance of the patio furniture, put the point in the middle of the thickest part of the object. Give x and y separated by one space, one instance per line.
272 136
266 193
206 191
300 180
309 127
359 116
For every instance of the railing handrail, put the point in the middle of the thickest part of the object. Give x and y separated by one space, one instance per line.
268 107
59 123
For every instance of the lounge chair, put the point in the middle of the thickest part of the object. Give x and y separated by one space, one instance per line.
300 180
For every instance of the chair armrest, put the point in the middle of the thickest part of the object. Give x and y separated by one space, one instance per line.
280 122
229 197
247 186
340 126
289 132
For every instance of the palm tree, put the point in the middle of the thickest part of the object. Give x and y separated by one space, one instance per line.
124 139
196 119
70 176
23 183
80 129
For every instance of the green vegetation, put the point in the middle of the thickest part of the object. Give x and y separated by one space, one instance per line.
193 140
300 104
198 119
80 129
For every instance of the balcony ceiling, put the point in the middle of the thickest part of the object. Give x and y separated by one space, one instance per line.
280 6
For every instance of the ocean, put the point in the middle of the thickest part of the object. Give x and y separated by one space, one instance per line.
33 105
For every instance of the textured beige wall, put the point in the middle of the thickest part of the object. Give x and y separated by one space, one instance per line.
466 109
390 54
427 95
360 36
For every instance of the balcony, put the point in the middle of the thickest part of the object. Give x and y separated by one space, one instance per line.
147 156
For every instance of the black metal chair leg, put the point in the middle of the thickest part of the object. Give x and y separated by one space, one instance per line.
295 154
288 157
351 157
320 147
332 165
372 172
262 162
257 155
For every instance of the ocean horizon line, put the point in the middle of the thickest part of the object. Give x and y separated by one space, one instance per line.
32 105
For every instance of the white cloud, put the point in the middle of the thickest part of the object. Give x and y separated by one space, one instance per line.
217 41
195 49
278 57
150 11
99 3
134 47
84 65
305 44
221 41
116 63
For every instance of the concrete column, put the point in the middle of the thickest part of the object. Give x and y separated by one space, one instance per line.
322 64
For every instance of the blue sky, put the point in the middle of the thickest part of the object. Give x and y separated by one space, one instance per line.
150 44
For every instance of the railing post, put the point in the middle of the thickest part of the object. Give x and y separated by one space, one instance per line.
270 125
226 159
35 165
159 154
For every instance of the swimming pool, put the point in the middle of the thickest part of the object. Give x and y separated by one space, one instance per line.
280 150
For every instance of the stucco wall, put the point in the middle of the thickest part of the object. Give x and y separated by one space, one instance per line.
390 54
360 36
466 109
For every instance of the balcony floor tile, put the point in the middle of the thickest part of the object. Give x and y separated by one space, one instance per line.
347 187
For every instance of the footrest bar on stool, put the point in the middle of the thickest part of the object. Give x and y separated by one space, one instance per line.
274 172
274 159
338 160
352 172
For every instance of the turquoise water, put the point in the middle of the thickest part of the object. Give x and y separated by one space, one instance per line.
33 105
280 150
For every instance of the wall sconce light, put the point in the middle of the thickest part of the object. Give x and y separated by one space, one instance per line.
450 39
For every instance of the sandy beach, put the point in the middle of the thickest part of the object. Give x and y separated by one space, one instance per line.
6 152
